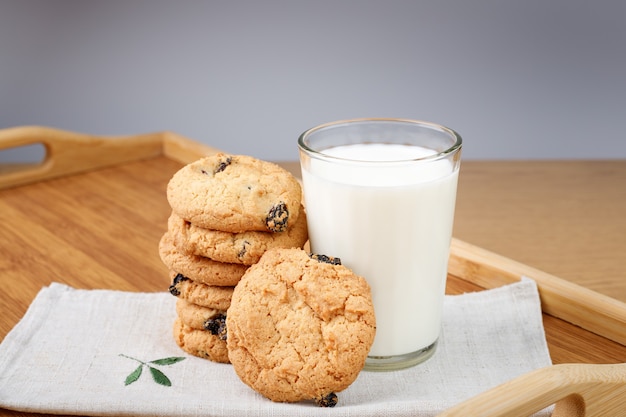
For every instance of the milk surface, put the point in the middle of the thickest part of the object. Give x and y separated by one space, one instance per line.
390 223
379 152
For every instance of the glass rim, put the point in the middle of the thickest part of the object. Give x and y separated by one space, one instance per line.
458 141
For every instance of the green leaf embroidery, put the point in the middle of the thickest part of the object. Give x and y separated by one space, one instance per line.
134 375
158 376
167 361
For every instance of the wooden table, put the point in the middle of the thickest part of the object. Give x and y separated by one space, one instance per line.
100 229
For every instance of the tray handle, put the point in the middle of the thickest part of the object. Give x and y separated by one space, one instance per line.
576 390
69 152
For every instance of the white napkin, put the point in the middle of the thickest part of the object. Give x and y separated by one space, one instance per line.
71 354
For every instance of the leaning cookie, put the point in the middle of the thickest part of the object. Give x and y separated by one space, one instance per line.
244 248
235 193
198 268
300 327
210 296
201 343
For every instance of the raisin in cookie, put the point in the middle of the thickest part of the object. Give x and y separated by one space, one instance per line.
210 296
300 327
201 343
244 248
199 317
235 193
198 268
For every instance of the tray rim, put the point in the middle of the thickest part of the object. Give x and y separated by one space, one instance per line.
68 153
575 304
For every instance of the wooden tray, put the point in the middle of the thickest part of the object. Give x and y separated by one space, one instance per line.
91 213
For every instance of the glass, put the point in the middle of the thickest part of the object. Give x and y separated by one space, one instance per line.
380 195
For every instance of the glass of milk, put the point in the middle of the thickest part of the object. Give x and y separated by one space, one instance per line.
380 195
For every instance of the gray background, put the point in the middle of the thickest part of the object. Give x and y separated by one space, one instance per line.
518 79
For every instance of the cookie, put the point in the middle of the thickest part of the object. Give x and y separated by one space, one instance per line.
235 193
198 317
244 248
203 295
199 268
201 343
300 327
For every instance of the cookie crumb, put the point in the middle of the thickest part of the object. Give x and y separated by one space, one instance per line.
329 400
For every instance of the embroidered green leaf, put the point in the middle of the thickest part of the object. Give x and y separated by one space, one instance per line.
134 375
159 377
168 361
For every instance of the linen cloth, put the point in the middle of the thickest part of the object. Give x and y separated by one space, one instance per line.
72 353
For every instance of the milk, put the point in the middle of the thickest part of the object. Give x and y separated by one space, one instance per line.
390 222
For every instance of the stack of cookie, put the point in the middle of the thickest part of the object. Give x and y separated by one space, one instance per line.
227 211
